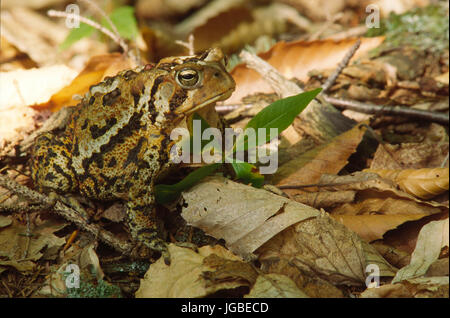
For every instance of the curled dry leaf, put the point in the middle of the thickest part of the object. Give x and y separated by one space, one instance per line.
245 217
373 227
379 205
324 247
432 238
192 274
372 185
275 286
423 183
296 59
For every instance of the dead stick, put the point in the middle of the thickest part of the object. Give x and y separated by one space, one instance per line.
367 108
342 64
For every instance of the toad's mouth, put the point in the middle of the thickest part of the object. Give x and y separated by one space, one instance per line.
221 96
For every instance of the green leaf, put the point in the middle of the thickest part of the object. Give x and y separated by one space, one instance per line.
165 193
244 172
279 114
125 22
75 35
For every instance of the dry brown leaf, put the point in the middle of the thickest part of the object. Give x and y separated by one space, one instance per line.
322 246
192 274
95 71
245 217
329 158
372 186
18 89
379 205
432 238
410 155
373 227
425 287
275 286
394 256
371 202
308 282
20 252
325 199
296 59
423 183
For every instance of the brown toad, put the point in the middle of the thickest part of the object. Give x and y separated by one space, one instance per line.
117 141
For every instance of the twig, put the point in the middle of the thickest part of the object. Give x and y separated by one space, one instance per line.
114 37
343 64
301 186
67 213
367 108
104 15
189 44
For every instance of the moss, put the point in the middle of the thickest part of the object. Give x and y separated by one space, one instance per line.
424 28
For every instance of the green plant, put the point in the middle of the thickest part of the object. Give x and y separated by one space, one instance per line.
123 19
279 115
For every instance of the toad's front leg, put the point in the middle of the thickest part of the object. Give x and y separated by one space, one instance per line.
144 229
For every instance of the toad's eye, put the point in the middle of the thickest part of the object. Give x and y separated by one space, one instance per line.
188 78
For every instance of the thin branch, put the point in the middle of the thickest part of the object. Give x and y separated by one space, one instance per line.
301 186
367 108
103 14
343 64
114 37
189 44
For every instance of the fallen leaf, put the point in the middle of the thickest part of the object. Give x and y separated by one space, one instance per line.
275 286
373 227
296 59
372 186
245 217
329 158
18 252
432 238
323 247
192 274
423 183
425 287
410 155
